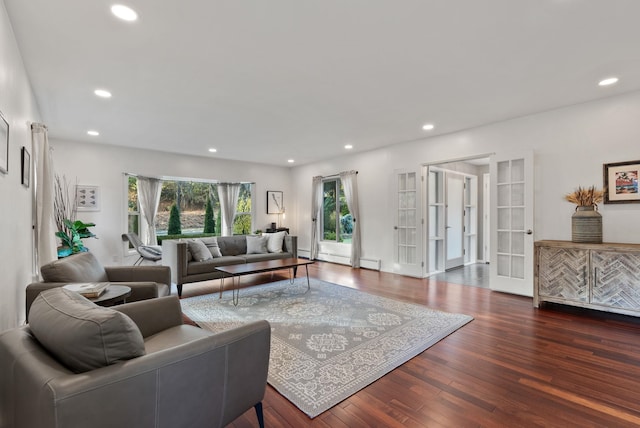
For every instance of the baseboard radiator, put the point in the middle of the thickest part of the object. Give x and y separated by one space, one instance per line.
373 264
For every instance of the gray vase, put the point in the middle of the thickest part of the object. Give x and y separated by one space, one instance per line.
586 225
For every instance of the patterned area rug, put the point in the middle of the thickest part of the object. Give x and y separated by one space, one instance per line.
329 342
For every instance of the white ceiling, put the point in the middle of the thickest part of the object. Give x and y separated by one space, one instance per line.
266 81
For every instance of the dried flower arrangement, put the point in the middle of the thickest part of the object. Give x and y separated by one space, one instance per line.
585 197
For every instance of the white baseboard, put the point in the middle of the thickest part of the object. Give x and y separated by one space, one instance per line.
373 264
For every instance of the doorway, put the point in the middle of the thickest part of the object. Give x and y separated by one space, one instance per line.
454 224
455 213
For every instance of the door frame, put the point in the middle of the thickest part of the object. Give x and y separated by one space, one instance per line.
414 269
507 282
425 169
458 261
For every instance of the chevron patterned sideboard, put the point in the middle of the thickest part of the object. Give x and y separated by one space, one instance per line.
596 276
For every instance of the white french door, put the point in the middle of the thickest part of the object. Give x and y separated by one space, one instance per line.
408 224
511 268
454 228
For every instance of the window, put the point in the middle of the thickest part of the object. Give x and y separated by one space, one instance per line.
133 211
191 198
337 223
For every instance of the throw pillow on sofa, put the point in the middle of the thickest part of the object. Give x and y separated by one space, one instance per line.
274 241
257 244
199 250
80 334
212 245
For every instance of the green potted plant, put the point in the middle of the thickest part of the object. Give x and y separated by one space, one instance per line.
72 235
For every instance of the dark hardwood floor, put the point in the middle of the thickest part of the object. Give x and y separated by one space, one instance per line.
513 366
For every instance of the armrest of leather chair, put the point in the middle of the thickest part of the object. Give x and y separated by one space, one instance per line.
154 315
35 288
159 274
201 383
142 290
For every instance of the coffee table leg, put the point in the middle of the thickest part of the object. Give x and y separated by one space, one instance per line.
235 291
221 286
308 285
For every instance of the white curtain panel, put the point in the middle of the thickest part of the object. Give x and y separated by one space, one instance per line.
45 228
149 190
228 194
350 184
317 198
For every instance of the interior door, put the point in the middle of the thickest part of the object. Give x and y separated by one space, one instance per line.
511 268
454 228
408 224
486 220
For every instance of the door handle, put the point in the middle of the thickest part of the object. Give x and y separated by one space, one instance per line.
529 232
447 227
395 227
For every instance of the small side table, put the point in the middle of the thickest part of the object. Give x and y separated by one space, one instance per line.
115 295
279 229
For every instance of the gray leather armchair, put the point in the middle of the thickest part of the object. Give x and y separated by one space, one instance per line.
146 282
188 377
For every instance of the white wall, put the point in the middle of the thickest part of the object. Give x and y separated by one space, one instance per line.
104 166
17 103
569 144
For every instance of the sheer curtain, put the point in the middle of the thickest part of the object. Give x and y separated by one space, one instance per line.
45 229
316 215
228 194
149 190
349 181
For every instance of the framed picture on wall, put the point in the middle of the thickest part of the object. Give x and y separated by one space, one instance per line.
274 202
4 144
88 198
25 158
621 182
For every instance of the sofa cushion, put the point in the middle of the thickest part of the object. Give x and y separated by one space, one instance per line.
198 250
257 244
251 258
212 245
275 241
195 268
80 334
232 245
80 267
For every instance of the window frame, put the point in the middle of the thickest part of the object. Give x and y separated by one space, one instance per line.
137 213
339 189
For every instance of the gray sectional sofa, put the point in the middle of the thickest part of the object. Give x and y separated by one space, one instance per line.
190 263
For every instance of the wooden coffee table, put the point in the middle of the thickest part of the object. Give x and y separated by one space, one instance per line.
236 271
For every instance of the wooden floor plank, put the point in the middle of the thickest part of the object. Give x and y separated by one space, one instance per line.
514 365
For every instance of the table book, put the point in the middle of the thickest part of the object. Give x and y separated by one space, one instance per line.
88 289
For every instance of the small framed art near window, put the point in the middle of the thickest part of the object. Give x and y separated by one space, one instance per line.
25 158
621 182
88 198
4 144
274 202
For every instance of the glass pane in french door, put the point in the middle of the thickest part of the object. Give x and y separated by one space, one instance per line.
511 199
407 218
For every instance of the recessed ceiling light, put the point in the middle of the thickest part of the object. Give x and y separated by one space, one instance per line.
123 12
212 150
291 161
608 81
428 127
102 93
93 133
348 147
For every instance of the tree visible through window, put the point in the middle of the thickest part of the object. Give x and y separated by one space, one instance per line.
191 199
336 218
